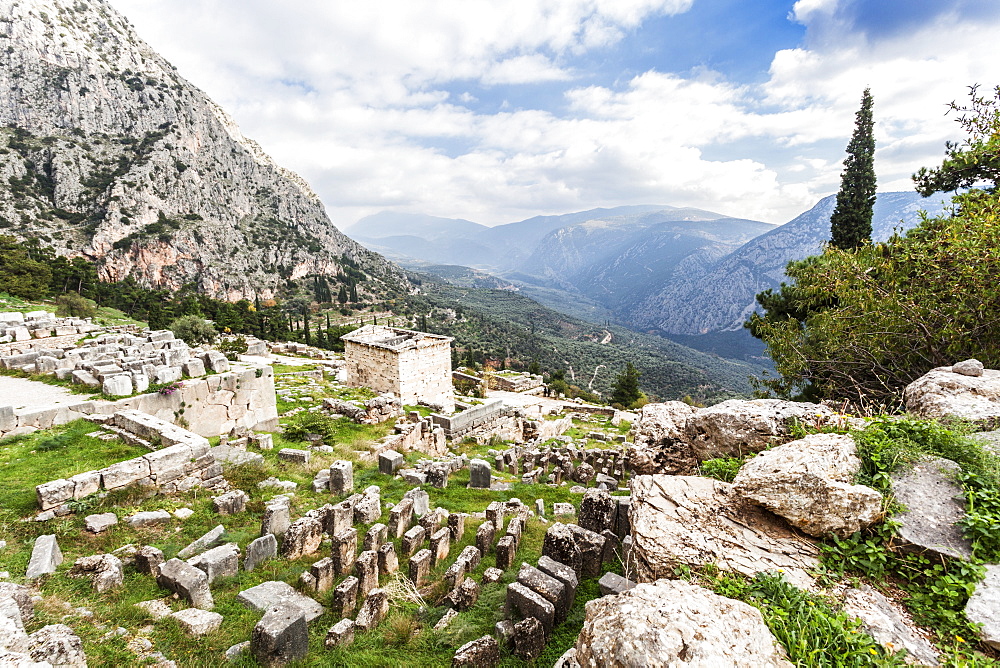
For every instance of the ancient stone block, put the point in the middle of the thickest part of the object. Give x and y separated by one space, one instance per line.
294 455
420 567
275 592
561 572
98 523
281 636
465 595
591 550
186 581
597 511
412 540
389 462
196 622
366 571
343 550
148 560
303 537
340 634
482 652
456 523
484 536
440 544
341 477
375 536
506 552
612 584
260 550
560 545
276 519
552 589
219 562
210 539
345 597
421 501
400 518
230 503
338 518
45 557
373 610
367 508
529 603
323 574
388 561
529 639
54 493
480 474
104 570
471 555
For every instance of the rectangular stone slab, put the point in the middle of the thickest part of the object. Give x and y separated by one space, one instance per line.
269 594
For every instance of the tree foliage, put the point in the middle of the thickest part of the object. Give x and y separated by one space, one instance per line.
862 323
193 329
851 222
974 161
625 391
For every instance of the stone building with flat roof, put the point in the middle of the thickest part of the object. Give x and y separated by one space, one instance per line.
415 366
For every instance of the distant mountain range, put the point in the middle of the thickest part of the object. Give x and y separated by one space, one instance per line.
680 272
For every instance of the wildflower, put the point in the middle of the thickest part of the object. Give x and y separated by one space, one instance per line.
959 639
872 650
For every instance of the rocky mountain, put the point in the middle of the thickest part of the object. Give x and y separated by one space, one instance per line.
590 263
704 297
106 151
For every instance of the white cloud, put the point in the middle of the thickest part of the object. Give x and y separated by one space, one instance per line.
390 105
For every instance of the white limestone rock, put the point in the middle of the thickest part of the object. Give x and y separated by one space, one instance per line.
675 623
660 440
809 483
889 625
984 607
738 427
698 521
943 393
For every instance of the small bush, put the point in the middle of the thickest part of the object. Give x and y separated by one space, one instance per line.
724 468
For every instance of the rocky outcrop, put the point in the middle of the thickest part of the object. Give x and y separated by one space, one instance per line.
680 624
113 155
697 521
673 437
965 391
660 441
888 624
809 482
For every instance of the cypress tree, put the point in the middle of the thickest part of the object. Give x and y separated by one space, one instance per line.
851 222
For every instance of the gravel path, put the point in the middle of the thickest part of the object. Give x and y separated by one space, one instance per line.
28 395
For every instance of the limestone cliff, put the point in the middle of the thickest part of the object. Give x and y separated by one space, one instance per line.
107 152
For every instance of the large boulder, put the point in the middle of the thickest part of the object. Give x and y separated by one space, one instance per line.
675 623
698 521
950 392
738 427
809 482
673 437
660 442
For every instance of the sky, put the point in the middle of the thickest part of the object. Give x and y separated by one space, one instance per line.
498 110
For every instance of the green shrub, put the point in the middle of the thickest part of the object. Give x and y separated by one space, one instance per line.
72 305
193 329
723 468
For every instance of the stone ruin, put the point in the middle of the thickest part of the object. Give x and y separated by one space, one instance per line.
120 364
16 326
415 366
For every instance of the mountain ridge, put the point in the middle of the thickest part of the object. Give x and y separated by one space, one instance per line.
112 155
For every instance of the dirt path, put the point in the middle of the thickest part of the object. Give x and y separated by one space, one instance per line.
28 395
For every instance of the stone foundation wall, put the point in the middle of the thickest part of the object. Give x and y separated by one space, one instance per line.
206 406
456 426
183 464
